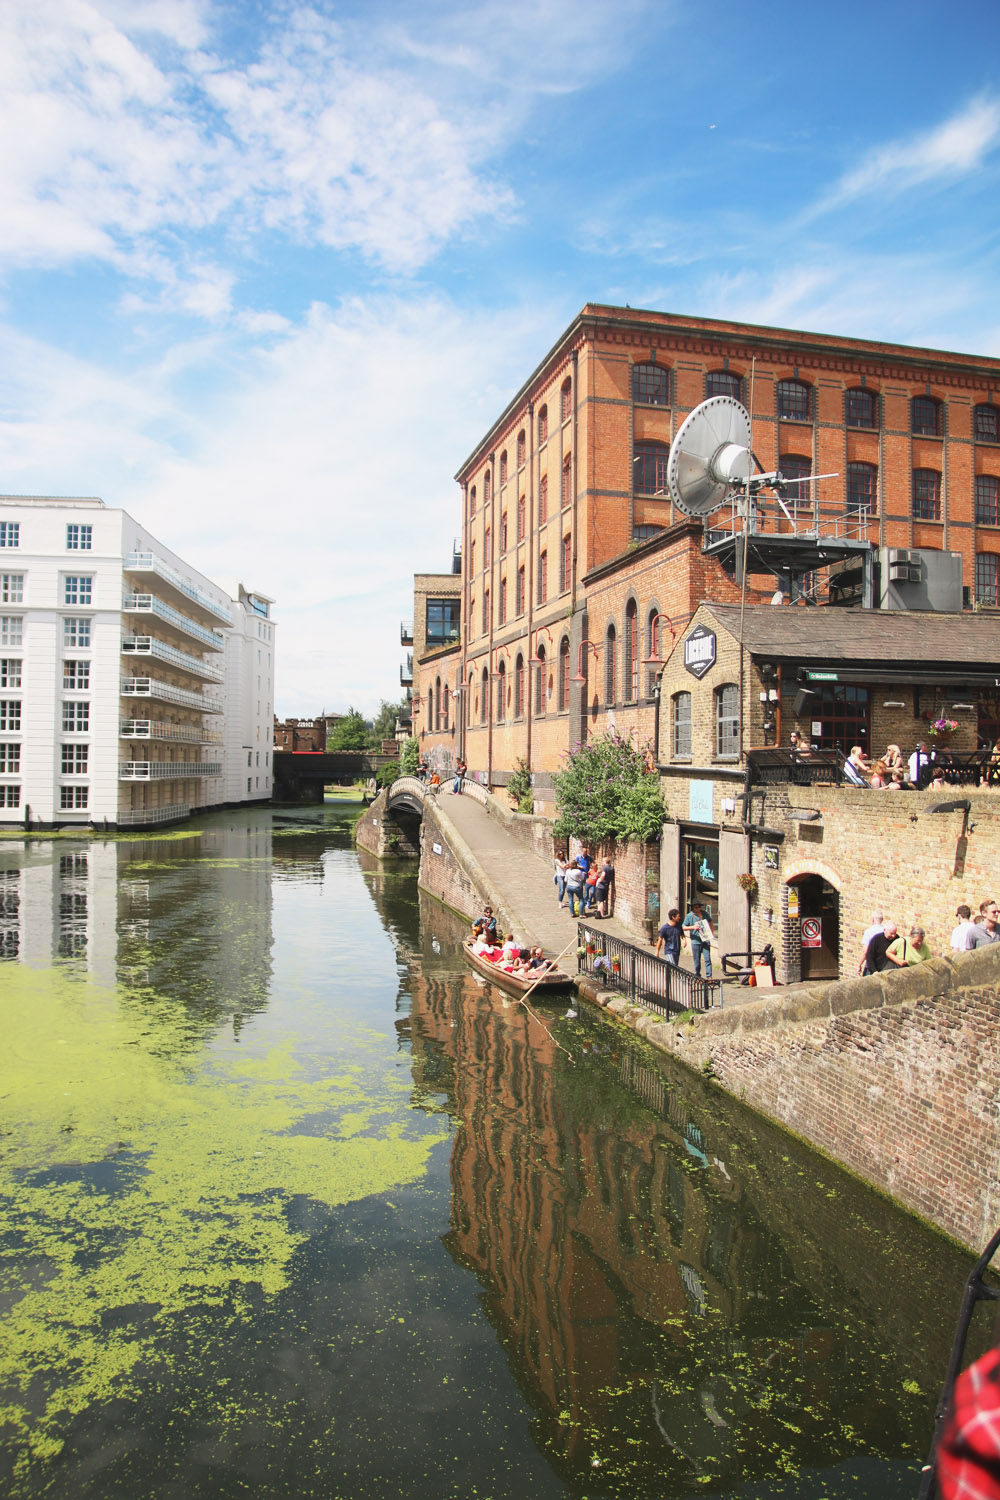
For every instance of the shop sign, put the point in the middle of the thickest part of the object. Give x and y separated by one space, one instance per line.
812 932
700 801
770 856
699 651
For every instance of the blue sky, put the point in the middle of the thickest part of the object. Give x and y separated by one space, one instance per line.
267 271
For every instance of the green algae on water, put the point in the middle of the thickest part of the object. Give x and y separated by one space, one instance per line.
139 1176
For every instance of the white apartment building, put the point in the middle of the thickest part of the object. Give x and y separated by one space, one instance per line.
125 694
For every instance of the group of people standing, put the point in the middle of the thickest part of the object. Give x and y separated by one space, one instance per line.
884 946
696 929
584 885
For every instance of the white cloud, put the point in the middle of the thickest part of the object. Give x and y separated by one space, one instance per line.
951 150
318 468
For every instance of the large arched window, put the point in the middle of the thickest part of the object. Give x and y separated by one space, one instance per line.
541 666
431 725
436 723
501 692
630 672
649 468
652 649
543 425
986 424
680 725
926 495
795 467
519 686
727 721
484 698
862 488
564 675
860 408
794 399
723 383
987 578
443 705
650 385
926 416
610 667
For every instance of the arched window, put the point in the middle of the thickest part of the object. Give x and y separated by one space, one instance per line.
926 416
649 468
564 675
653 633
501 692
727 722
860 408
680 725
987 578
566 400
472 501
468 701
986 424
443 704
503 467
926 495
484 698
519 686
543 577
650 385
486 488
987 500
631 653
862 488
610 667
520 450
543 499
502 603
567 481
486 610
436 723
566 562
431 723
543 425
503 533
519 596
794 401
540 669
487 547
520 518
723 383
796 468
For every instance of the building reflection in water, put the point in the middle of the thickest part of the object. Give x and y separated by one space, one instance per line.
681 1289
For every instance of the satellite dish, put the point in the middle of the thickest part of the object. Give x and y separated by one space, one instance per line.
709 455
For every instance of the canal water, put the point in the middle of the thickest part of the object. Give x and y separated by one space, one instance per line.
295 1206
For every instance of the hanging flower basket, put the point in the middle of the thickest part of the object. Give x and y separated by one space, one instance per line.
616 964
942 729
748 883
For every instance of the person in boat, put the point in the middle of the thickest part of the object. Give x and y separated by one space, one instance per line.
537 960
489 924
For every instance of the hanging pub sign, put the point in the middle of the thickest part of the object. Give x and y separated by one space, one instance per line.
770 856
699 651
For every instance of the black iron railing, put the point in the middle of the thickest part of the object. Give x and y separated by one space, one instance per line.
641 976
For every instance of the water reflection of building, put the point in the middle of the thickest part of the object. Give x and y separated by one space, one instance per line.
651 1286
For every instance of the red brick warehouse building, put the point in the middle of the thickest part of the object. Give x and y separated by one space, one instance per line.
575 564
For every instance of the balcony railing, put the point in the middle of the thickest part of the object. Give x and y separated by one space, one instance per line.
152 729
406 633
167 770
145 604
406 672
146 562
152 687
143 817
147 645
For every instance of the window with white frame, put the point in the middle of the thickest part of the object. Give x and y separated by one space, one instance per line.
10 671
727 721
74 760
79 538
10 758
76 718
681 725
76 676
73 798
10 715
78 588
11 630
76 632
10 796
10 533
11 588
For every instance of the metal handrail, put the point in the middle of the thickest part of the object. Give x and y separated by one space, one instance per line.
148 645
152 687
146 604
128 817
152 729
643 977
141 562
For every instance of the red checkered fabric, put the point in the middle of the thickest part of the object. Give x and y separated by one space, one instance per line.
968 1463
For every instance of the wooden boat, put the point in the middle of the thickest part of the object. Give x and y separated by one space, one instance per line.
552 980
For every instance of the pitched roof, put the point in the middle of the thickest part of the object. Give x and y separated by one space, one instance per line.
864 635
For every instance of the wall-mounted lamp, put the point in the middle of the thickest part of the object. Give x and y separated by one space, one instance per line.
773 695
657 661
893 703
584 646
536 660
969 706
804 814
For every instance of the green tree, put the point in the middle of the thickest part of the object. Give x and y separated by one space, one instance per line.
409 756
607 792
351 733
384 725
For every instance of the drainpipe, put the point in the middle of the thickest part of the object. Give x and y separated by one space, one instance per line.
489 649
463 626
529 575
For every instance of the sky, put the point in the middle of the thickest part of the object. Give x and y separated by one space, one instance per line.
268 271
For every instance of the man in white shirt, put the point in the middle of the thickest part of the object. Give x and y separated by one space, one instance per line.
868 934
919 760
960 938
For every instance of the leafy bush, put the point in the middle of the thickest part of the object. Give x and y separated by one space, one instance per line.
519 788
606 792
409 756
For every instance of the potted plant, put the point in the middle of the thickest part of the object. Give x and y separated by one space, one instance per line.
942 728
748 883
616 964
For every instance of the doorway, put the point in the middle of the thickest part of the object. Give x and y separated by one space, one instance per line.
819 927
701 875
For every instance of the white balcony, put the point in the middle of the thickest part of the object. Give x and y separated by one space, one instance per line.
147 645
144 817
145 562
152 729
152 687
149 604
167 770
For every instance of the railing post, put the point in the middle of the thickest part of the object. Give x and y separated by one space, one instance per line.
632 989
